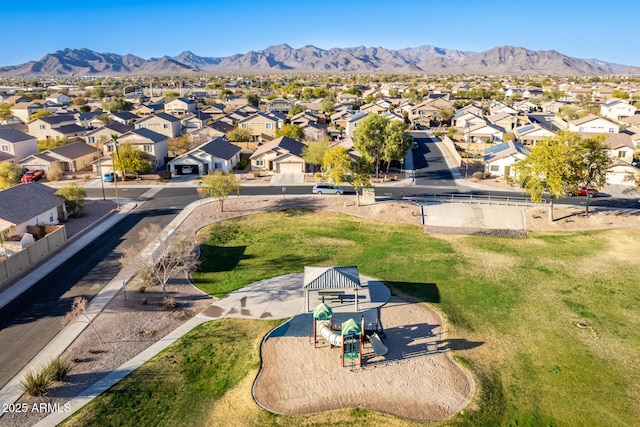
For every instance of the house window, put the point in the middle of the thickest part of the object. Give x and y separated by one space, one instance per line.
43 127
110 148
91 139
268 126
166 126
612 130
147 148
217 166
494 168
5 148
243 125
259 162
621 154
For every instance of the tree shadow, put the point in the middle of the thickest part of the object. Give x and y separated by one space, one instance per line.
426 292
216 259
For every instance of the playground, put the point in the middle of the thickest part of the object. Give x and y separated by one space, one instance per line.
395 359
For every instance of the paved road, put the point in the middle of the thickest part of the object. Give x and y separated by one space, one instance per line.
29 322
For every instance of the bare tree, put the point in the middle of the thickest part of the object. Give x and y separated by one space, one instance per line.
79 308
160 255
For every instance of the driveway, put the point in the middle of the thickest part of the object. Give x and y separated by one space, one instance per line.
287 178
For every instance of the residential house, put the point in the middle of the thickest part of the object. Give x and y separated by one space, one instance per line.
193 122
525 106
303 118
124 117
352 123
162 123
506 121
617 109
38 205
207 133
631 120
247 109
622 173
348 98
262 126
153 144
73 157
498 107
16 145
42 161
105 133
215 110
373 108
530 134
89 120
180 107
314 131
146 110
550 122
282 155
621 146
24 110
425 111
483 132
499 159
58 99
215 155
279 105
464 119
234 117
56 126
593 124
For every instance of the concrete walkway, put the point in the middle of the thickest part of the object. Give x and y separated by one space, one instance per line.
275 298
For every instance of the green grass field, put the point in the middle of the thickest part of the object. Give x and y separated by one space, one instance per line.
520 298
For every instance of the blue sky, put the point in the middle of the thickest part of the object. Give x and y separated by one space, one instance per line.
219 28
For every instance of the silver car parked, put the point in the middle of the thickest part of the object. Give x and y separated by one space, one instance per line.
326 188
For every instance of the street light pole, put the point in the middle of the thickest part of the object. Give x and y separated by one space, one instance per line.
100 169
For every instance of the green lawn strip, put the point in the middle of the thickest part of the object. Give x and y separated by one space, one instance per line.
178 386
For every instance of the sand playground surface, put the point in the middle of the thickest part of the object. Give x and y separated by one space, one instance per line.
416 379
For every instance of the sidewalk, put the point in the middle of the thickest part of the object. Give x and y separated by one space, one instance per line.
12 390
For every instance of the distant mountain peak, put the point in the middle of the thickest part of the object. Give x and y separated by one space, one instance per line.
282 57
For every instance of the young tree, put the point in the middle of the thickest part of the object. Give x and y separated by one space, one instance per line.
337 163
292 131
590 162
179 145
398 143
239 135
360 176
296 109
79 308
314 152
369 138
42 113
128 158
10 175
547 169
5 111
253 99
160 255
74 198
115 105
219 185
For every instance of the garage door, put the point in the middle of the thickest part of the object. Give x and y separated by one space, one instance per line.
290 167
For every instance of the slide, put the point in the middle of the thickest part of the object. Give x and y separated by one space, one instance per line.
377 345
328 334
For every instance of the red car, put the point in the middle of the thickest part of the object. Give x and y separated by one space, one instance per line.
584 191
32 175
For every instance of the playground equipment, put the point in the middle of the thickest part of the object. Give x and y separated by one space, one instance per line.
351 336
376 343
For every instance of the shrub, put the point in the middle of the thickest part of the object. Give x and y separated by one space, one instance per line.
35 383
319 176
147 278
256 174
59 368
487 175
163 175
169 303
54 174
243 163
437 134
478 175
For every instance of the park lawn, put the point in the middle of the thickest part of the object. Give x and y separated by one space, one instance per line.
519 299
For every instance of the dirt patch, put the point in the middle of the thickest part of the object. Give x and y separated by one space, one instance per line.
416 379
571 218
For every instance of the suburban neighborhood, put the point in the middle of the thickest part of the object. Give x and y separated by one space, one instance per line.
319 248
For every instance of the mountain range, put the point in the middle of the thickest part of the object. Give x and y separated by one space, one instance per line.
283 58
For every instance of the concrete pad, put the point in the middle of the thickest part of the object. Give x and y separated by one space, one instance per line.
493 217
287 178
